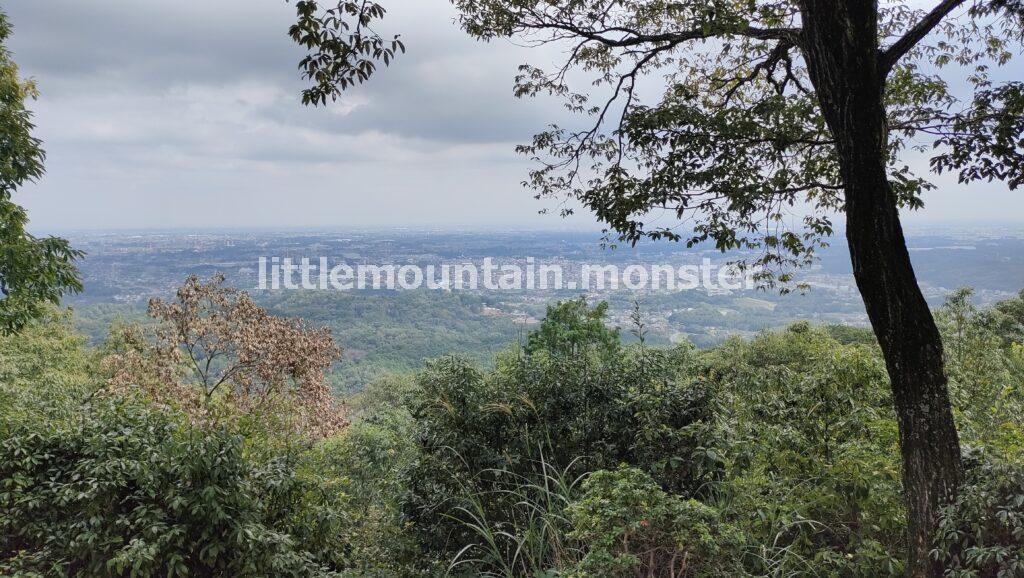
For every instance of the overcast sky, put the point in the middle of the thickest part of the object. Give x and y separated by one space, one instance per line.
186 113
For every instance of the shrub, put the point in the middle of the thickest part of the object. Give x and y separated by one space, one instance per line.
981 534
45 371
986 376
811 447
360 471
574 406
629 526
128 490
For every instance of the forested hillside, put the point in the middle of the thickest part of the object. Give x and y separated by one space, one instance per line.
742 362
570 454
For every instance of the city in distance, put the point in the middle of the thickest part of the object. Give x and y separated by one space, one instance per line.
395 330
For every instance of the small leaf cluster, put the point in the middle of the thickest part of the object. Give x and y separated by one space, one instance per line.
343 49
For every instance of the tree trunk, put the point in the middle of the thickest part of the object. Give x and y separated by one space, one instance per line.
841 48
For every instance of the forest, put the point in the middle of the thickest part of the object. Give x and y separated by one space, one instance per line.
573 455
219 435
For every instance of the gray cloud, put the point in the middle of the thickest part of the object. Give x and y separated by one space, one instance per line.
155 112
186 113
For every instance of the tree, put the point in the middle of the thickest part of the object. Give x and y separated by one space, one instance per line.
214 343
572 328
33 271
1007 319
576 403
769 107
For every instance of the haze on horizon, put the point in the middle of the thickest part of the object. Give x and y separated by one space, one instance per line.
186 114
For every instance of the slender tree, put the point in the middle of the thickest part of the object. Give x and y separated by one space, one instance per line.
212 342
33 271
761 120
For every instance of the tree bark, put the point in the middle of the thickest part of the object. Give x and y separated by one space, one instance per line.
841 48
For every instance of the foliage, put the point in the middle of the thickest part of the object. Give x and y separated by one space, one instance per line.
848 334
95 484
531 534
34 272
811 447
987 141
230 348
575 455
803 469
986 376
127 490
631 527
384 396
365 464
982 532
343 46
1007 319
480 431
45 371
571 328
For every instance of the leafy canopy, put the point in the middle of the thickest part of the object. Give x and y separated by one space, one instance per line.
33 271
704 112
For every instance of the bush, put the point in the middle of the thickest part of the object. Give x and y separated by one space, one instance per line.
45 372
128 490
629 526
580 407
981 534
575 456
362 467
812 455
986 373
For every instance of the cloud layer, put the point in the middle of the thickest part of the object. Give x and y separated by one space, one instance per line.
187 114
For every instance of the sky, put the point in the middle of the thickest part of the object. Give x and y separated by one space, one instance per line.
187 114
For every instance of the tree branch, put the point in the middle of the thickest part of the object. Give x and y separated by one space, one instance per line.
891 55
634 37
